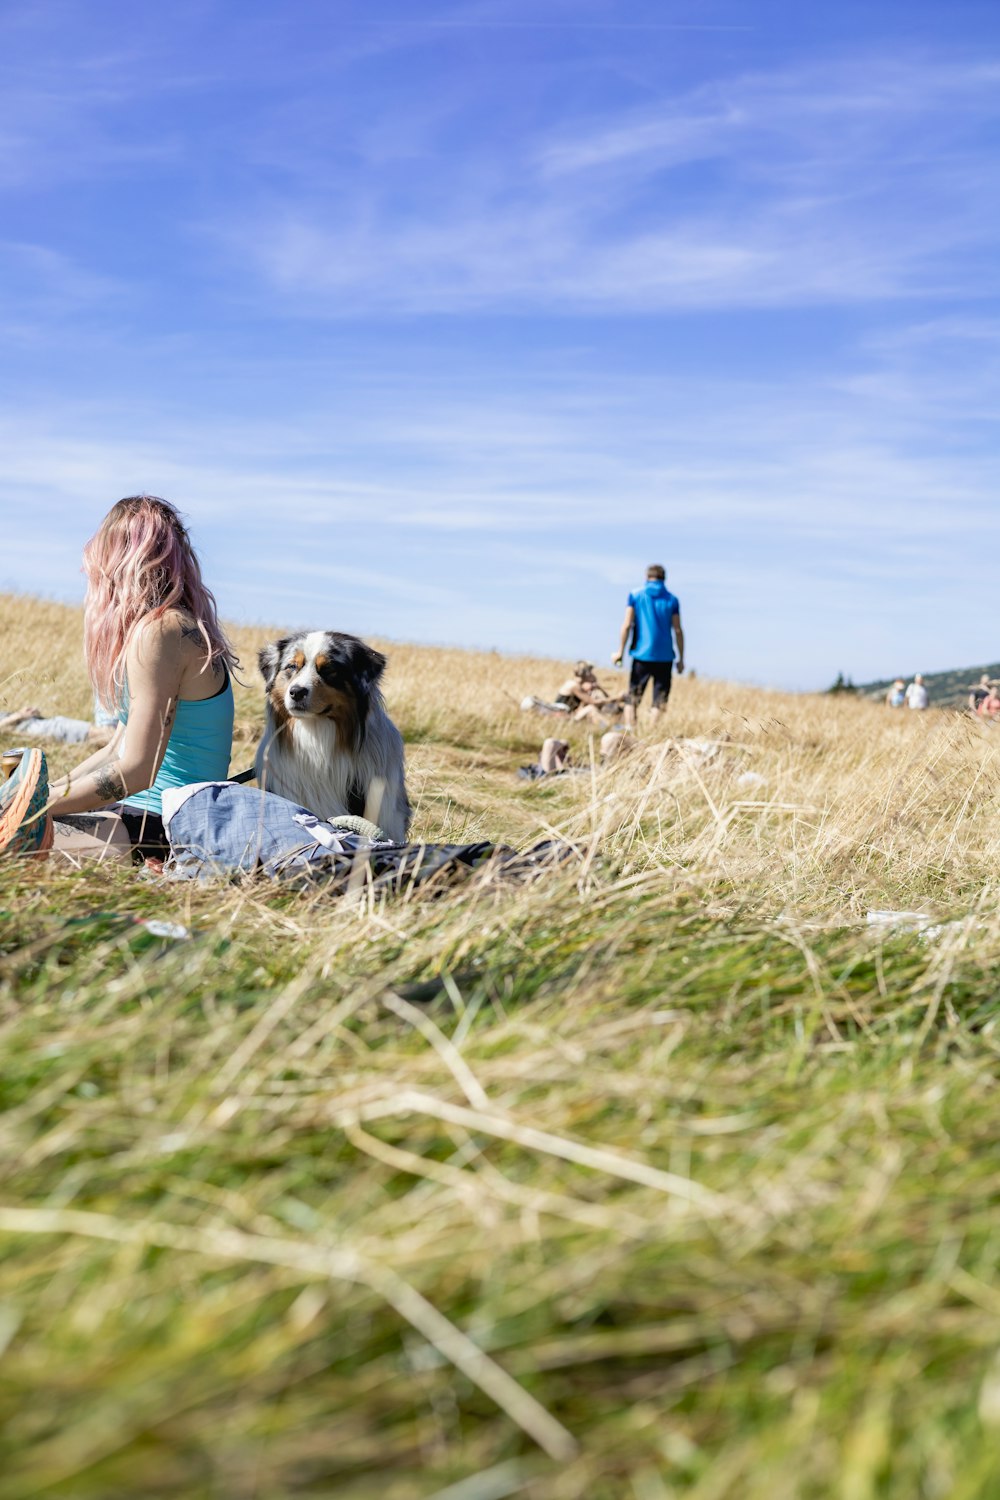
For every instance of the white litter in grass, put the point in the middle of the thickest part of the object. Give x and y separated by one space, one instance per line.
166 929
750 778
907 921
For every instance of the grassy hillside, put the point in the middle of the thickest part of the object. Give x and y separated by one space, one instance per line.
945 689
665 1176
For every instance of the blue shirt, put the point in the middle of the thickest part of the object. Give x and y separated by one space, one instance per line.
199 747
655 607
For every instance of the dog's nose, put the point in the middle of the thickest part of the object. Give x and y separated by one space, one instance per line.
298 694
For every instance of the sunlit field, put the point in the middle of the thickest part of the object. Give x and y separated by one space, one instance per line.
668 1174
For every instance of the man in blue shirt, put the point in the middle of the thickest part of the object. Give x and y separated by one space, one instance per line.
652 622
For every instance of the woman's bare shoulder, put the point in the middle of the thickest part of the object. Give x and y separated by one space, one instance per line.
159 636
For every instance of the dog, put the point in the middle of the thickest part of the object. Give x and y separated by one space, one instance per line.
328 743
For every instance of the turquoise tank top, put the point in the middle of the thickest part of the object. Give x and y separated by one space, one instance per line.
199 747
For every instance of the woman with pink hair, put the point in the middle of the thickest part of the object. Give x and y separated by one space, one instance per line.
159 660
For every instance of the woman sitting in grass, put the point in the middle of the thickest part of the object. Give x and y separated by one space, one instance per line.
584 697
581 698
157 656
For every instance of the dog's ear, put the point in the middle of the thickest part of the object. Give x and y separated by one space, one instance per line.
367 665
269 660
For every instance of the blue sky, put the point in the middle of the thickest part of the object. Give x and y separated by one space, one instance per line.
441 321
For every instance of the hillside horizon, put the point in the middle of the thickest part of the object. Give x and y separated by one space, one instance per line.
947 688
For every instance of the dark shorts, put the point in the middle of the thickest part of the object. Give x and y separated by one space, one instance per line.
642 671
146 833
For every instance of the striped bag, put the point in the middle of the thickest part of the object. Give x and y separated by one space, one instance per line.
25 826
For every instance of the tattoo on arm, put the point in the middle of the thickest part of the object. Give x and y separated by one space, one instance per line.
109 783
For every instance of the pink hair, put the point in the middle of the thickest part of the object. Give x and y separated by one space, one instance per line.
139 564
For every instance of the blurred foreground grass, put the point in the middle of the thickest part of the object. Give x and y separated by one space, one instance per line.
664 1176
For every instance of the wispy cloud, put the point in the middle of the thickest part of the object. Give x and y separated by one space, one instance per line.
848 501
856 184
39 274
59 129
832 114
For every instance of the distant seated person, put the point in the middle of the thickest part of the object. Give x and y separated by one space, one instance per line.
32 724
978 692
586 699
555 757
989 707
581 698
896 696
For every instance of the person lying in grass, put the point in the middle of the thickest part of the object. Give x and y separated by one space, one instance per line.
39 726
555 756
156 654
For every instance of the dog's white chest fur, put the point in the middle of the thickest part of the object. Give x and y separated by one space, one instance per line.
305 764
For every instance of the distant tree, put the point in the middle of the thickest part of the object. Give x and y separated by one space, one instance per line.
842 685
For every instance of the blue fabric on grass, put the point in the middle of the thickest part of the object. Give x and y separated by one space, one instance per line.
222 828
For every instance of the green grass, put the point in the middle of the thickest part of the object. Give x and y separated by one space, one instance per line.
664 1176
822 1319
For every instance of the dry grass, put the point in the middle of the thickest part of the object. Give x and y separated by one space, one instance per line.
664 1176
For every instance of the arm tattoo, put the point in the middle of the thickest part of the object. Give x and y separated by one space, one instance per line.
109 783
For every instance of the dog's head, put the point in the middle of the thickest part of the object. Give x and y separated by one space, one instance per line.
325 674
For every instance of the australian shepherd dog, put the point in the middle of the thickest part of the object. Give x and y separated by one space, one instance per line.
329 744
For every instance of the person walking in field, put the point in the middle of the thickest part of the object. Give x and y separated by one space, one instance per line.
896 696
652 623
916 693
